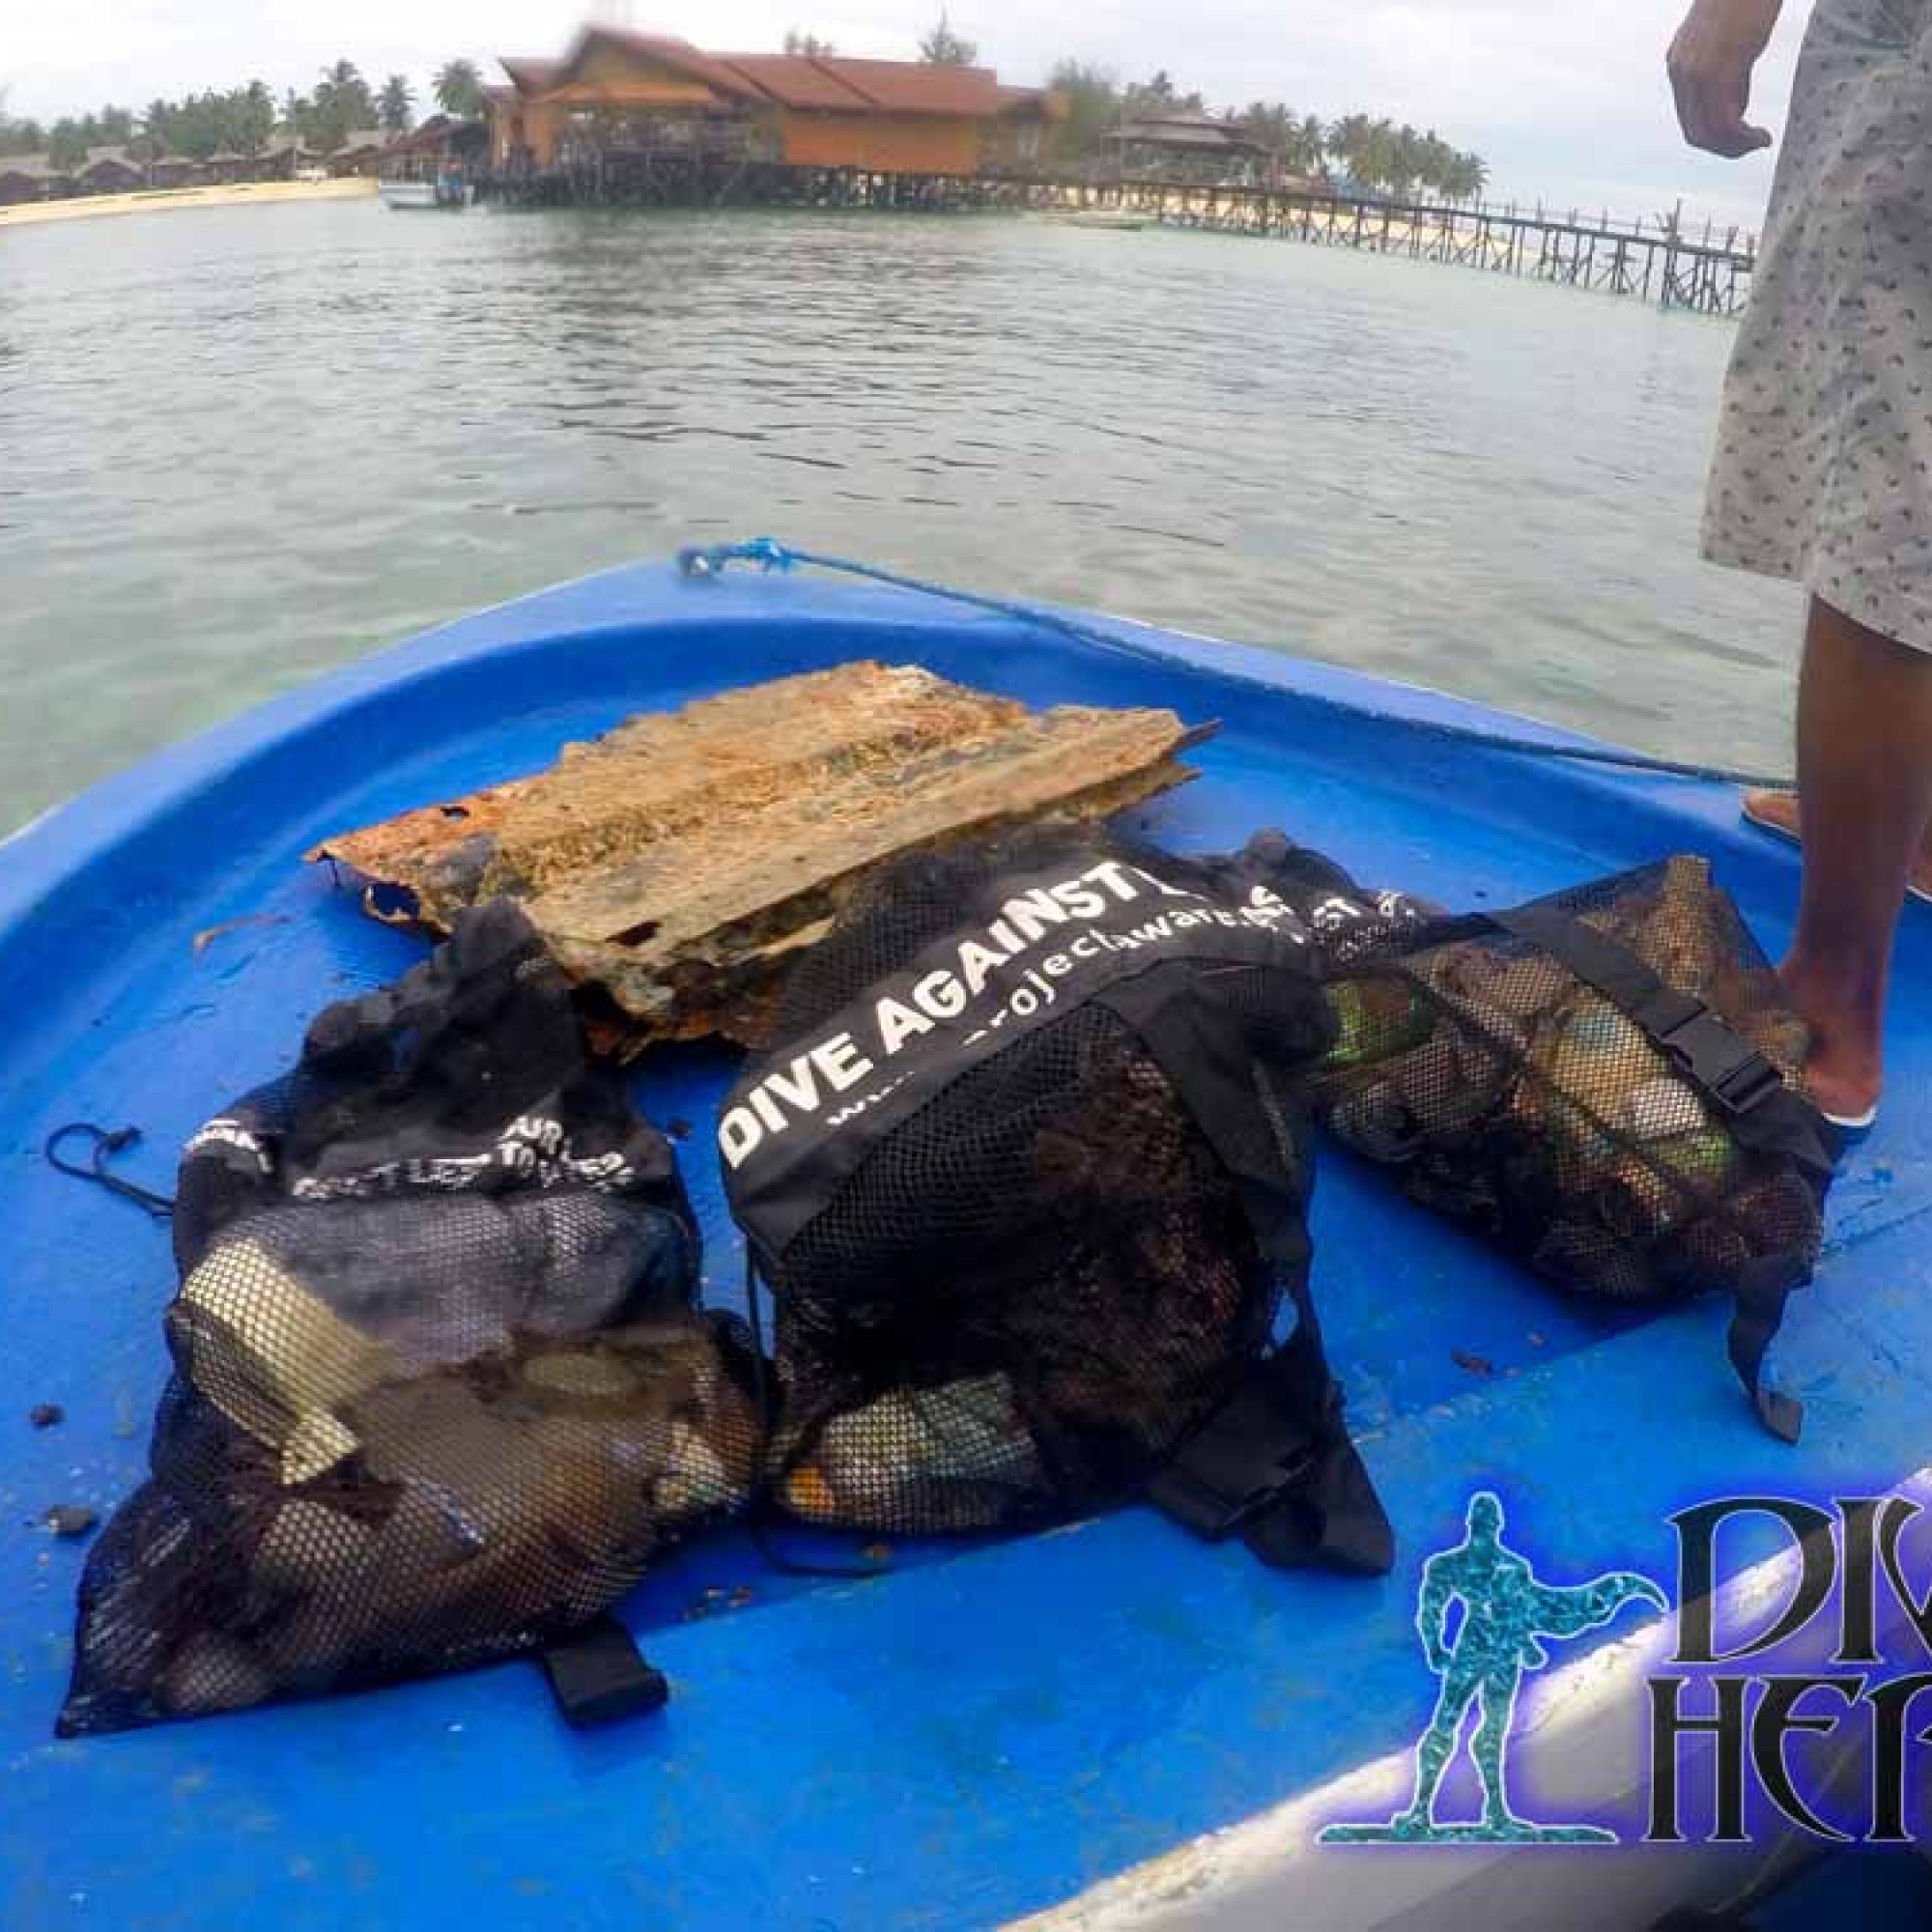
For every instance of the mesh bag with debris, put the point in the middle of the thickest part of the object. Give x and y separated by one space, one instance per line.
1607 1082
440 1387
1029 1198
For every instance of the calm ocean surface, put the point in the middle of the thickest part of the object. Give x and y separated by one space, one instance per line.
240 445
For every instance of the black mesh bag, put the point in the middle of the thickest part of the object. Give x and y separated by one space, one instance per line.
1606 1082
1029 1185
441 1390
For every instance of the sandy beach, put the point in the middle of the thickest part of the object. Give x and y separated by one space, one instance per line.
152 201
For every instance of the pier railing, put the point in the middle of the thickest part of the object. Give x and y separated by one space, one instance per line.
1662 264
1656 263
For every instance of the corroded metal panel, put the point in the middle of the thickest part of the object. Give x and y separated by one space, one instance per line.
675 863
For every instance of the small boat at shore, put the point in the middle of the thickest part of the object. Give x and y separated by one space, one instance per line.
427 187
1103 223
1116 1725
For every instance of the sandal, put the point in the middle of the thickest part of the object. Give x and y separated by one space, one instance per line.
1754 810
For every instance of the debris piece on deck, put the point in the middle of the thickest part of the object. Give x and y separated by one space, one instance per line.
677 864
45 1414
70 1519
209 934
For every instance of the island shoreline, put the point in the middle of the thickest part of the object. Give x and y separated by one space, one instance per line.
160 200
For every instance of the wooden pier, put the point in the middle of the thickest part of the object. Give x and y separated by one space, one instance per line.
1712 277
1660 263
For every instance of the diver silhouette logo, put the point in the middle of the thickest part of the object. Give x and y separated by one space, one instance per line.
1505 1610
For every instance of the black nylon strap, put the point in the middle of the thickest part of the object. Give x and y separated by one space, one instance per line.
598 1675
1336 1518
1761 1113
1760 1310
1275 1460
1275 1467
1238 1461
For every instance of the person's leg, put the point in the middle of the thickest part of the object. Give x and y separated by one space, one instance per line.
1864 774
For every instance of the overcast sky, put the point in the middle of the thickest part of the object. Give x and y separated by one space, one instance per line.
1566 97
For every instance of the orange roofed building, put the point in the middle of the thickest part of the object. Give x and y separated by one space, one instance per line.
618 91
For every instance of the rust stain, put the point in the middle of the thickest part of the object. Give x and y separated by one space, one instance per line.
676 864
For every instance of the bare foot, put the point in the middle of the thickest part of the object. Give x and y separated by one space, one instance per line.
1846 1064
1778 811
1845 1069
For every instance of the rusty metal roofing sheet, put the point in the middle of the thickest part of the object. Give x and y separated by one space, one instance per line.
675 863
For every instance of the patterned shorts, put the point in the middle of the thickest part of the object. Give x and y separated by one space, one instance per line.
1824 465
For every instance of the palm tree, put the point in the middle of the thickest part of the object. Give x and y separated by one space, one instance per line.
1404 161
1093 106
395 107
19 137
1312 145
1375 164
67 147
341 101
1272 126
1465 178
1436 161
459 90
254 118
348 94
942 48
1348 140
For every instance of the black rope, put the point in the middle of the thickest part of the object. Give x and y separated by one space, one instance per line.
106 1142
705 560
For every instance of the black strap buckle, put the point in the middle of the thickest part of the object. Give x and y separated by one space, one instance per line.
1731 1070
1235 1465
598 1675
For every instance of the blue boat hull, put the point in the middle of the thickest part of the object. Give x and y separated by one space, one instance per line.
988 1730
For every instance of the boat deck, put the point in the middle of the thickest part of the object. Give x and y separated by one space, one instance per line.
985 1729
